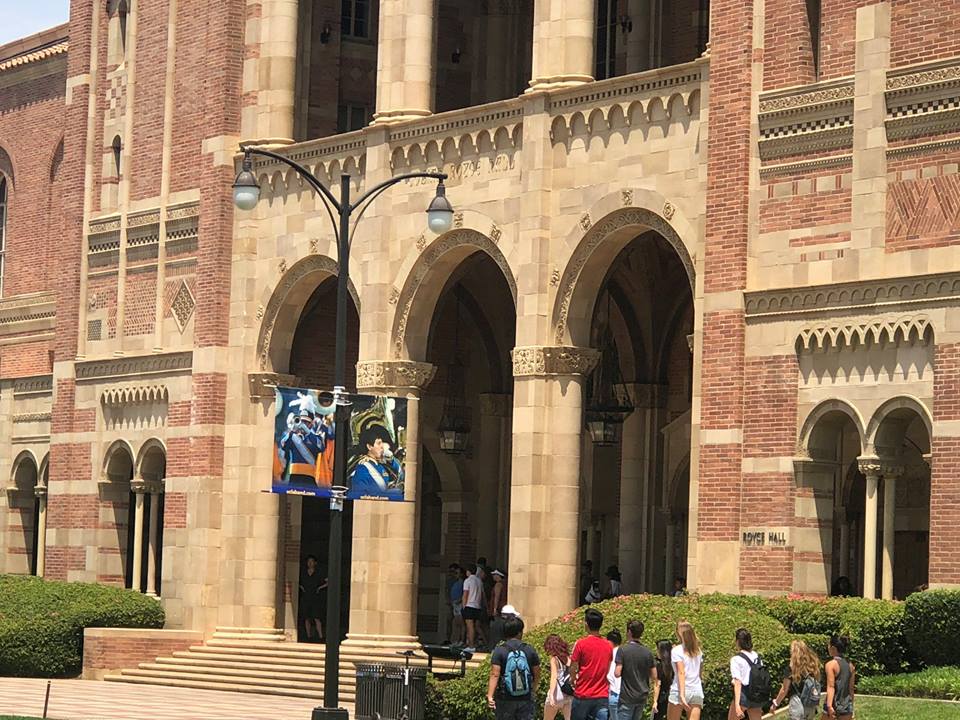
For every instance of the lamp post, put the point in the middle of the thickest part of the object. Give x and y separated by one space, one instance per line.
246 194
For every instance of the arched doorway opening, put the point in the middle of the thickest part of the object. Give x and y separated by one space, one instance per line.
24 506
118 470
153 471
637 411
306 520
465 430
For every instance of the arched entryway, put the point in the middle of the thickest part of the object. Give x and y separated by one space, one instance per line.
152 471
23 503
117 491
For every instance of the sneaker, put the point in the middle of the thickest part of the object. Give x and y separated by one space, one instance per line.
470 649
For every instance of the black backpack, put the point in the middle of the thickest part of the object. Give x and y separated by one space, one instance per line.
761 686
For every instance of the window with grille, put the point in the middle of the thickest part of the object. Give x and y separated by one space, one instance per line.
355 18
606 40
3 228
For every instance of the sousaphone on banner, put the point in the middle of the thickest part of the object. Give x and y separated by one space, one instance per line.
304 445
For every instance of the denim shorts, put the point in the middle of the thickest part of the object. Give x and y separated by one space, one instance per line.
693 697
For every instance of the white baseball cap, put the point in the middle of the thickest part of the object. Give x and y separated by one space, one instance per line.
509 610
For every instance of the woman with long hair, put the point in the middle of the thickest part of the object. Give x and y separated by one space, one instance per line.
661 688
740 666
560 690
801 683
686 690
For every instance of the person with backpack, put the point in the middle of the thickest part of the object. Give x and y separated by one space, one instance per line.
750 679
663 680
589 664
801 683
514 675
841 678
560 691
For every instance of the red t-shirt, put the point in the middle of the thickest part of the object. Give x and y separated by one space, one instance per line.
592 655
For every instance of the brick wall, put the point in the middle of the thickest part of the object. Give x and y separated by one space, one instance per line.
787 45
945 469
805 202
106 650
312 351
838 31
922 31
148 102
922 210
770 406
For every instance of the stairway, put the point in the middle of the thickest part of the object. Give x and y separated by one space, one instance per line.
257 660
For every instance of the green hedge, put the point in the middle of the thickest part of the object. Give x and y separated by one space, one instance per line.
932 626
939 683
715 624
42 622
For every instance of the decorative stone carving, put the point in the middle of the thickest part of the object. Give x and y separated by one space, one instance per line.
182 306
669 210
808 99
458 219
138 486
142 394
437 249
823 337
807 119
596 235
495 233
924 209
31 418
260 312
422 241
39 385
540 360
143 365
382 375
40 491
151 217
313 245
282 266
263 385
394 296
182 212
555 277
871 294
626 197
585 221
882 467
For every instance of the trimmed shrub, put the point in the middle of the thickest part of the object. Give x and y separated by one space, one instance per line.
42 622
932 626
715 624
938 683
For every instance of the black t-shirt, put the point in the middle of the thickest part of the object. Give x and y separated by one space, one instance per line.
794 687
637 660
499 657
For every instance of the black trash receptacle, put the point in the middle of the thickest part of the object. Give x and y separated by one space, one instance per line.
393 684
369 691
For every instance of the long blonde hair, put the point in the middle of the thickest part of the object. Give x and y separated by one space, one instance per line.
803 662
688 638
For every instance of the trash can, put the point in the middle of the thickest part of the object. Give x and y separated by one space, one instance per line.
369 691
393 692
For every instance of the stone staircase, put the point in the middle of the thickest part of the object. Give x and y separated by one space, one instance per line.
258 660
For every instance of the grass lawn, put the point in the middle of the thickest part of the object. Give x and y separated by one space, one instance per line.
905 709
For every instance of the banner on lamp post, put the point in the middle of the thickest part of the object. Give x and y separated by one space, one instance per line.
304 445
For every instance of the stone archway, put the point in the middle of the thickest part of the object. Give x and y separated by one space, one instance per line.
23 515
116 489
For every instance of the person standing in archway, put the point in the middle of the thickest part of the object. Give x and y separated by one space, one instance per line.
472 605
313 594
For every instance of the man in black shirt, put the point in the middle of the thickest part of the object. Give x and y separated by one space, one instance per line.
514 675
636 669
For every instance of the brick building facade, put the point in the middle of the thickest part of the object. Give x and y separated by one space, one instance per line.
737 220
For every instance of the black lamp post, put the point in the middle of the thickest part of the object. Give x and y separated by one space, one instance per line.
246 194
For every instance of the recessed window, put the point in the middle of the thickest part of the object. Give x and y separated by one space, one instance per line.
355 18
352 117
813 19
3 227
117 150
606 40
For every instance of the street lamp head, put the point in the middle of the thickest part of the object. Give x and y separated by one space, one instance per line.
246 192
440 212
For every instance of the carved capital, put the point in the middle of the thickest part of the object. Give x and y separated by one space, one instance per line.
540 360
263 384
879 467
380 375
40 491
139 486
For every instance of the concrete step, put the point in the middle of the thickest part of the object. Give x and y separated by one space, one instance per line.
257 673
249 681
206 685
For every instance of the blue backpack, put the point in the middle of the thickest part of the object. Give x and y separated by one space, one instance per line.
517 677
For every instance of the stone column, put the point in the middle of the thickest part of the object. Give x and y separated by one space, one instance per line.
871 469
889 531
844 567
545 484
563 37
383 586
493 409
632 507
155 489
405 52
669 542
139 487
41 492
269 72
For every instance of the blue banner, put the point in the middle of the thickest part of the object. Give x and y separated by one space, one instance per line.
304 445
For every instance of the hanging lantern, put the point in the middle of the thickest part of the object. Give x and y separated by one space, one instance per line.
608 408
454 429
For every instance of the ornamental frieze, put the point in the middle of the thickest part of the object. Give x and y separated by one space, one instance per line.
542 360
381 375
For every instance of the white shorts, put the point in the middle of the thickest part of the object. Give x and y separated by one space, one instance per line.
694 697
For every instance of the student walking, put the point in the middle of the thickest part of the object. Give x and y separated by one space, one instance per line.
801 683
514 675
686 691
560 692
750 680
841 679
636 670
589 664
613 680
664 679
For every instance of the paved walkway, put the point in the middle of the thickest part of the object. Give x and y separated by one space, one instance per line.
95 700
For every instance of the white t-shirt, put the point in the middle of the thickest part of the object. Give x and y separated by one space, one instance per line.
691 670
740 668
612 675
473 587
